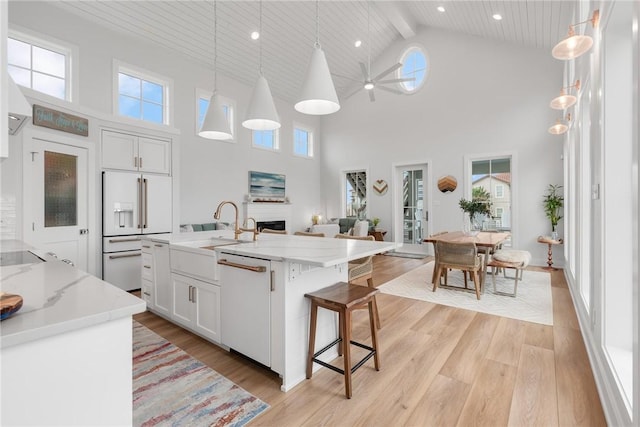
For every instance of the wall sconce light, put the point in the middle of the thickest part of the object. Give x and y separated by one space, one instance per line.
574 44
565 100
559 128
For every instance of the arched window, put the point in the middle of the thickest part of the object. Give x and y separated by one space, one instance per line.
414 65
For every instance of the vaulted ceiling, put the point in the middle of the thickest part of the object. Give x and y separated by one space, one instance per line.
288 33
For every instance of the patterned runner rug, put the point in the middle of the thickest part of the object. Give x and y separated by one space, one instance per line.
533 303
170 388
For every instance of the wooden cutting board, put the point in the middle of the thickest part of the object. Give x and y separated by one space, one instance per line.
9 304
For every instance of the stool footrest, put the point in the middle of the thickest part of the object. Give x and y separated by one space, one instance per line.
368 356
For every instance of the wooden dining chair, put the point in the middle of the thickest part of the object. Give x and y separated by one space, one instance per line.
458 256
308 233
270 231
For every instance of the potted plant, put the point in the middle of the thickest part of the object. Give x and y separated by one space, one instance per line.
375 221
553 203
480 204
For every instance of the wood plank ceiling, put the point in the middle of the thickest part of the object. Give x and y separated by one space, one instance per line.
288 35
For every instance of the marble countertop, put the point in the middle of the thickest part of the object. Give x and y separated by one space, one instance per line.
58 298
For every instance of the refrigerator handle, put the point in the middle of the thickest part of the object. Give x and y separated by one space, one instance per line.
139 203
146 205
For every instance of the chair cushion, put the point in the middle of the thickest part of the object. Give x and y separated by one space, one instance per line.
513 255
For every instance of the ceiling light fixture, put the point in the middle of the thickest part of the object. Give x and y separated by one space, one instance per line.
261 114
497 17
318 95
215 124
440 9
358 43
574 44
565 100
255 35
559 128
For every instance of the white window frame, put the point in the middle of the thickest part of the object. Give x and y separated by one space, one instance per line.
405 52
499 194
276 142
499 212
206 94
47 42
310 141
132 70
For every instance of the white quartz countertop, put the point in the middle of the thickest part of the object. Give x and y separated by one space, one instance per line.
316 251
59 298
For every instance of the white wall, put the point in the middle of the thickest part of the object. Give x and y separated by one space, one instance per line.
481 97
210 171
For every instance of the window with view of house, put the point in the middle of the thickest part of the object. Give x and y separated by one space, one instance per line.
39 65
302 142
492 177
228 108
499 191
142 95
265 139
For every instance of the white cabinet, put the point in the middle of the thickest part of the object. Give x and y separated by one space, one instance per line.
147 274
196 306
162 293
135 153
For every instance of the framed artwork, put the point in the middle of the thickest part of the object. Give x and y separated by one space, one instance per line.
266 186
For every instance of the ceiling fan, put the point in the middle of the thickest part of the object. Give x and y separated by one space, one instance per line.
370 83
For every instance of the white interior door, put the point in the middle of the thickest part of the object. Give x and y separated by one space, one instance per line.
56 200
411 215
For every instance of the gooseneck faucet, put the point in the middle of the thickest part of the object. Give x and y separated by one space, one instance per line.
237 231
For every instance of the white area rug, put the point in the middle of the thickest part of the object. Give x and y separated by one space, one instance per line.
533 303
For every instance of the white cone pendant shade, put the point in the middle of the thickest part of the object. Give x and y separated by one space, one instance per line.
572 47
261 114
563 101
558 129
318 93
215 125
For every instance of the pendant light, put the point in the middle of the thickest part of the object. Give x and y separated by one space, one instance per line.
574 44
565 100
261 114
215 124
318 95
559 128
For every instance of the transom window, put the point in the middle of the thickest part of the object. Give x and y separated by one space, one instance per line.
414 65
265 139
228 108
39 65
142 96
302 142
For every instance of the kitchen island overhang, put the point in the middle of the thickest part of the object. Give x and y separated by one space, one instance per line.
297 265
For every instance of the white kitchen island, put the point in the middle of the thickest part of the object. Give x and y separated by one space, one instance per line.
66 355
265 314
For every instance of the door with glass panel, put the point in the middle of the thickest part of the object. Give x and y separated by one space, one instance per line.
56 189
411 217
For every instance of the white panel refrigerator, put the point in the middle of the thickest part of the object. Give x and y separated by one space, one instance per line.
134 204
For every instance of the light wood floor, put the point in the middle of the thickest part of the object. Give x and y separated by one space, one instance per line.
440 366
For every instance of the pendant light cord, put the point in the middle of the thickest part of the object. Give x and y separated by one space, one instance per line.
317 43
215 47
369 37
260 29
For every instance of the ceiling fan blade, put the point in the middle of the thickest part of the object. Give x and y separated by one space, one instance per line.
352 93
365 72
388 71
388 89
372 97
408 79
346 77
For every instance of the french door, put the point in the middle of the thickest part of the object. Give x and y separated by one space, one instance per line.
411 214
56 200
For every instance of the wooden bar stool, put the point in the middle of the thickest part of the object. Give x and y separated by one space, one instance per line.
343 298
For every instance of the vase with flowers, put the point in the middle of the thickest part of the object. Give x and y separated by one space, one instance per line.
480 204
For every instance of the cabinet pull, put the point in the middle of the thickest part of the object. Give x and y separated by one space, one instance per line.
193 296
146 204
159 246
147 294
131 239
124 255
139 202
146 266
146 246
141 162
273 280
254 268
135 161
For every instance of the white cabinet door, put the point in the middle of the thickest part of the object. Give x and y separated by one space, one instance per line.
154 155
162 288
182 310
207 310
119 151
156 204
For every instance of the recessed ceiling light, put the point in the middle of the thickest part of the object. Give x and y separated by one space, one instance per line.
255 35
440 9
497 16
358 43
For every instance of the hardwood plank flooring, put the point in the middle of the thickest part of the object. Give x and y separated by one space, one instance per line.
439 366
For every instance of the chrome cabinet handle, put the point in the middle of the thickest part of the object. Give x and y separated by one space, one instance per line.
132 239
146 204
124 256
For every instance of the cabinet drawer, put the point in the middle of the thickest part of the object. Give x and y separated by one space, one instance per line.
147 288
195 265
147 266
121 243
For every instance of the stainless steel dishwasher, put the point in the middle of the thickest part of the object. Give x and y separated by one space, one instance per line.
245 313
